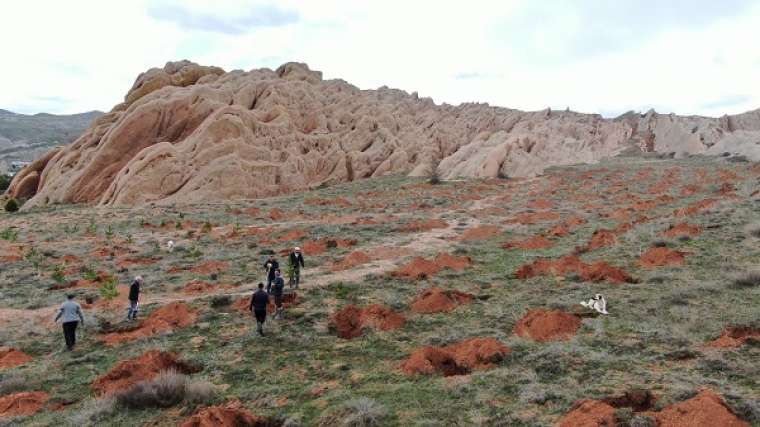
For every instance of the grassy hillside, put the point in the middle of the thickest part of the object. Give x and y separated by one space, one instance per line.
671 245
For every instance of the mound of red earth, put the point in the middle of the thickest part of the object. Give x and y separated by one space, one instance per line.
197 287
316 247
547 325
169 317
528 218
601 239
293 235
209 267
424 225
289 299
658 257
540 204
735 336
707 409
589 413
10 358
535 242
456 359
143 368
421 268
22 404
695 208
351 260
482 232
565 227
437 300
351 320
682 229
597 272
232 414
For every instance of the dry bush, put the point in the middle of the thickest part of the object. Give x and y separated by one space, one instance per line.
361 412
93 412
12 384
748 279
167 389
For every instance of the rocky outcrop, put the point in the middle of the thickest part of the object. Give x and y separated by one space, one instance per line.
188 133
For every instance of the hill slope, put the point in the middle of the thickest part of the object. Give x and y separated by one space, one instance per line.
188 133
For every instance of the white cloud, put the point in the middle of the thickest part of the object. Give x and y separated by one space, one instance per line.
685 57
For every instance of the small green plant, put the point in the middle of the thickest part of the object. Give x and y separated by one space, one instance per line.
130 238
194 252
92 228
109 232
206 227
11 205
89 273
35 258
9 233
163 223
108 289
59 274
178 225
236 228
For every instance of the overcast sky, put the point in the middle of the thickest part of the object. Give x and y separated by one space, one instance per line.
601 56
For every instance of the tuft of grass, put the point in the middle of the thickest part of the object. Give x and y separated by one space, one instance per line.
166 390
93 412
749 279
361 412
13 384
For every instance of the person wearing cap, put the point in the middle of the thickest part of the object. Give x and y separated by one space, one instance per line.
71 314
296 263
270 266
134 296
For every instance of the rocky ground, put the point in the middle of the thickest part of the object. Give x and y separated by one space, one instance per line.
449 304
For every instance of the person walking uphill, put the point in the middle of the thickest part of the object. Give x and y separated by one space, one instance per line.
296 263
71 314
277 291
259 302
270 266
134 296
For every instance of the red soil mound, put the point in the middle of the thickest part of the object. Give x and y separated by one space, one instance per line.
695 208
209 267
420 268
657 257
437 300
127 262
707 409
171 316
535 242
276 214
426 225
293 235
602 238
24 403
146 367
527 218
482 232
289 299
735 336
10 358
351 260
589 413
352 320
197 287
316 247
600 271
682 229
456 359
596 272
230 415
547 325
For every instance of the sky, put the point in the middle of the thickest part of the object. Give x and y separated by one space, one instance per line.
595 56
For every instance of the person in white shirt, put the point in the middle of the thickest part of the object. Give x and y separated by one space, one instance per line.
70 314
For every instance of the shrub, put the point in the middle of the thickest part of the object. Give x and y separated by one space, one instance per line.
11 205
59 275
362 412
9 233
5 182
434 177
108 289
642 421
219 301
93 412
747 280
167 389
13 384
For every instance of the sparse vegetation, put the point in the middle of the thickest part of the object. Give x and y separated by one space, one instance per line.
167 389
108 289
11 205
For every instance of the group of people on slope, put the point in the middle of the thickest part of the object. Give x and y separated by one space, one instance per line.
71 314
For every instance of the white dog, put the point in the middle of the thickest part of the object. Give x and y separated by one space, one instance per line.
170 245
596 303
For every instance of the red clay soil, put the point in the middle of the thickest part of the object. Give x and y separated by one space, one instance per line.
658 257
22 404
727 190
535 242
482 232
316 247
690 190
707 409
456 359
10 358
425 225
527 218
547 325
351 260
197 287
735 336
232 414
276 214
601 271
695 208
421 268
169 317
596 272
289 299
682 229
209 267
540 204
293 235
589 413
437 300
601 239
352 320
143 368
127 262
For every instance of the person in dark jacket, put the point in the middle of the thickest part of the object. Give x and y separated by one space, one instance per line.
296 263
277 291
259 302
134 296
270 267
71 312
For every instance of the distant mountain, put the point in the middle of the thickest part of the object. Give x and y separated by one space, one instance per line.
26 137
